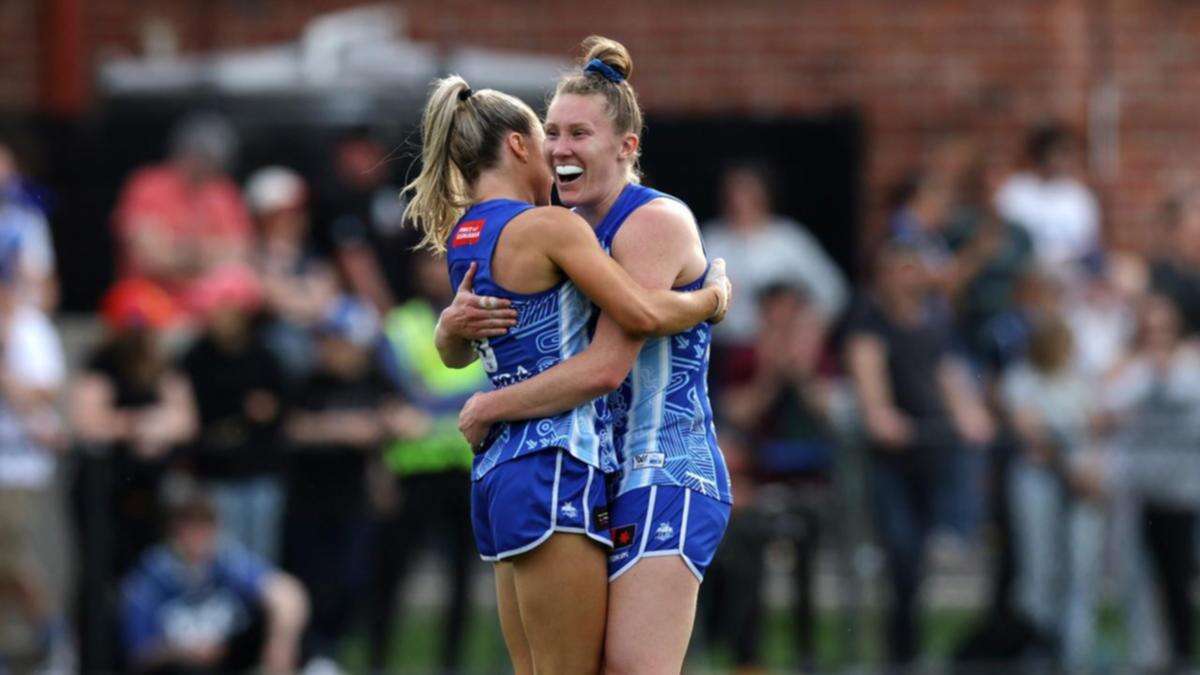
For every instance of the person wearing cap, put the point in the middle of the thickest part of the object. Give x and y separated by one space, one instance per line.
129 409
297 285
176 221
239 386
339 418
198 604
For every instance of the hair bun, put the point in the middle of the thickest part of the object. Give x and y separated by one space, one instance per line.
610 52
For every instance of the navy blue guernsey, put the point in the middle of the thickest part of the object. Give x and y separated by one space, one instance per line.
551 326
662 421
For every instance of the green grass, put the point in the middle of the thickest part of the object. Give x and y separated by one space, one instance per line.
416 646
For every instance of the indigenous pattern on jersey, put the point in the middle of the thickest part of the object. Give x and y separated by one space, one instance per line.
551 326
662 421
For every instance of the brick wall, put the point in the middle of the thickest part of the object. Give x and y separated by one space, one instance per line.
915 69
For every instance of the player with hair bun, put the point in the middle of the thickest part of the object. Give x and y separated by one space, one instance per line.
670 499
539 509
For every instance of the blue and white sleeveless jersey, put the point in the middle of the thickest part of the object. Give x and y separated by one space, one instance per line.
662 421
551 326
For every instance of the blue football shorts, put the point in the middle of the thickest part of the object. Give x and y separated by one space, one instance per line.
664 520
518 504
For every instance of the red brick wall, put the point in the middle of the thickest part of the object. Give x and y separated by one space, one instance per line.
915 69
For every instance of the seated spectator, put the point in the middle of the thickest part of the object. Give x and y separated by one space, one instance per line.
339 418
781 417
23 225
921 416
428 494
1050 201
195 604
239 387
32 373
297 285
765 248
177 221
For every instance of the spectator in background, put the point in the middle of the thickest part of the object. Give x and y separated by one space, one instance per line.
195 604
1050 201
364 219
1057 526
133 408
339 419
239 387
428 497
1175 261
921 415
177 221
23 225
765 248
32 373
1150 407
784 448
297 285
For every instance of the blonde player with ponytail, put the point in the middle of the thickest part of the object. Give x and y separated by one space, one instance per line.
539 508
670 498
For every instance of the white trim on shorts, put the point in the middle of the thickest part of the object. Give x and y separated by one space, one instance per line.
554 526
683 525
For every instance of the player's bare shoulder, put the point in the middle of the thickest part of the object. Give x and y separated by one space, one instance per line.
664 220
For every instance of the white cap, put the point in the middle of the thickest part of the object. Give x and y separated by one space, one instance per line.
274 187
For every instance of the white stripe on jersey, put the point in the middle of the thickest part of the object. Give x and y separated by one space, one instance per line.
575 311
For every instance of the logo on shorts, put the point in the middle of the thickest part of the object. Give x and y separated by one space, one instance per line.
624 536
664 531
600 519
568 511
468 233
649 460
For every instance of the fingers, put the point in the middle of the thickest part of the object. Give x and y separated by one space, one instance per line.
468 280
718 267
488 302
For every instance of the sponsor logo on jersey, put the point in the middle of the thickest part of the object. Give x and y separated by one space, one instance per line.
649 460
600 521
568 511
624 536
664 531
468 233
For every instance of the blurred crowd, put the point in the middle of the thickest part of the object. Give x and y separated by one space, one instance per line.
264 439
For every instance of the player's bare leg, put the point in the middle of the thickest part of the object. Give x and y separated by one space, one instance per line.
510 619
562 589
651 609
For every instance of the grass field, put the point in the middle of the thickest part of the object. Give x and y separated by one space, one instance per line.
416 646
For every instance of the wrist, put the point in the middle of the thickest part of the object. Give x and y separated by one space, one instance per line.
486 409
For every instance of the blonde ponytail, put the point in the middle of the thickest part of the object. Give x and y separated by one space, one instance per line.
461 131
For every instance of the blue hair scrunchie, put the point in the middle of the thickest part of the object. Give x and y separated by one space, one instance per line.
606 71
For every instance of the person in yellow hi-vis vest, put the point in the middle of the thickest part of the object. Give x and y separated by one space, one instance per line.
428 497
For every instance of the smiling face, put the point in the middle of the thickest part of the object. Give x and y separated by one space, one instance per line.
591 161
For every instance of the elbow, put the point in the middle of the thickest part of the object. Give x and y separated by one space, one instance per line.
642 322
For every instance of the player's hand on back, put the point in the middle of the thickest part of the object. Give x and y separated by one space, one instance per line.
475 317
718 279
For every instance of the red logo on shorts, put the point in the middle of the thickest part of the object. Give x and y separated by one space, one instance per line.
623 536
468 233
